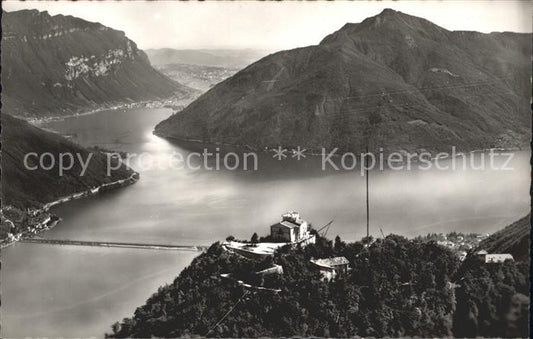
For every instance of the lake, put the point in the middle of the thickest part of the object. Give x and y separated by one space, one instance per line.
88 289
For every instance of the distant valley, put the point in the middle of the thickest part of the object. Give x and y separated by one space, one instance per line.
196 76
202 69
225 58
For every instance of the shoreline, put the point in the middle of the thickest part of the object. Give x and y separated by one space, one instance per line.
52 220
162 103
434 154
43 120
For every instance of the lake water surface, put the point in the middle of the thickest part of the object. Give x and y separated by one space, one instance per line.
75 291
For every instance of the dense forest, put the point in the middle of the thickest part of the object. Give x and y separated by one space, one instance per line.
492 300
395 287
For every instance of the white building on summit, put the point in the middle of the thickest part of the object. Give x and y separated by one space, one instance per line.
292 229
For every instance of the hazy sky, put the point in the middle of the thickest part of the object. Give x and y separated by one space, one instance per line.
273 25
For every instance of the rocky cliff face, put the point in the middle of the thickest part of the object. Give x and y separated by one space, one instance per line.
398 80
53 65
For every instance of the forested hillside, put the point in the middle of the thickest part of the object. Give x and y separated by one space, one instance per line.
395 288
23 187
492 300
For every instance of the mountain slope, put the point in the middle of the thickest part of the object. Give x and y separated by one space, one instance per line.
408 83
513 239
23 188
53 65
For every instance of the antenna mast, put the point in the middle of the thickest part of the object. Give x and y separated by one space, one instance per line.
367 204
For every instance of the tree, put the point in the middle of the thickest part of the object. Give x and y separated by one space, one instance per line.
115 327
367 240
255 238
339 245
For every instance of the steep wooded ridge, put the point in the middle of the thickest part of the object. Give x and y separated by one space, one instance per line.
395 287
23 188
54 65
403 80
513 239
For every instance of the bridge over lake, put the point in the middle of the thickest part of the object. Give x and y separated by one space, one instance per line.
199 248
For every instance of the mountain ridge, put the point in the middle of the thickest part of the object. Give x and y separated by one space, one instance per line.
59 65
408 83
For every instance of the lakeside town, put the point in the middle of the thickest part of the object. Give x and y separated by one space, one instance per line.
17 224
